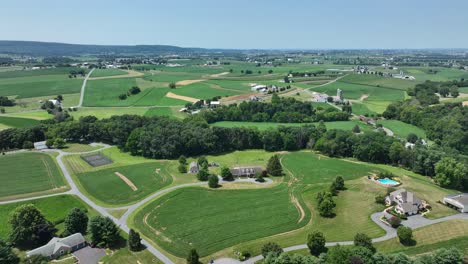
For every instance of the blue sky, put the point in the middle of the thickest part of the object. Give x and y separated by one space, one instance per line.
290 24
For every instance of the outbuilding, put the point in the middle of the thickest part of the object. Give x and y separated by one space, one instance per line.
459 201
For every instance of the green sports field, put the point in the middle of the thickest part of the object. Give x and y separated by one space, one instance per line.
211 220
42 175
109 188
53 208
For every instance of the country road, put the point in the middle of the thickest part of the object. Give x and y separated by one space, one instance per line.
83 87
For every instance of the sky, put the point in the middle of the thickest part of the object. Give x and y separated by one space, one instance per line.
241 24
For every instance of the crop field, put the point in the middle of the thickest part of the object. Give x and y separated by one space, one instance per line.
41 175
18 122
105 93
373 80
34 83
106 112
204 91
343 125
107 72
443 74
402 129
54 209
211 220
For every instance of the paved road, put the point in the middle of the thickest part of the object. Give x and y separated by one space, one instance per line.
83 87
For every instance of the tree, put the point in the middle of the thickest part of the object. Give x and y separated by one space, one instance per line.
271 248
339 183
394 221
326 207
395 152
450 173
226 174
316 243
7 255
202 161
29 228
193 257
104 232
444 91
28 145
134 240
362 240
405 235
213 181
447 256
182 168
203 174
59 143
76 222
172 85
183 160
37 259
454 91
412 138
123 96
2 110
274 167
356 129
380 199
50 142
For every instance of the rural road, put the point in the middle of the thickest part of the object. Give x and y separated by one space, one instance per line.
83 87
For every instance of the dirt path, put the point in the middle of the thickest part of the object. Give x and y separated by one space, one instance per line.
130 73
127 181
187 82
181 97
218 74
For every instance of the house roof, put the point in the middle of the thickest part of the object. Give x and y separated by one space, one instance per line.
461 198
193 164
56 243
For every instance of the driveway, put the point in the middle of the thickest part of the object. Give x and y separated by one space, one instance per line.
89 255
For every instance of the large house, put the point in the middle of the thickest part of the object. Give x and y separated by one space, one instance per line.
245 171
59 246
405 202
459 201
194 168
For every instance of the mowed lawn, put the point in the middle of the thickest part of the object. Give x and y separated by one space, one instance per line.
25 173
211 220
108 188
54 209
18 122
107 72
402 129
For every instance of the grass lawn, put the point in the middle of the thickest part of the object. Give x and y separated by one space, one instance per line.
373 80
447 234
166 111
343 125
40 176
106 112
402 129
109 188
211 220
18 122
124 256
75 147
24 106
203 90
107 72
54 208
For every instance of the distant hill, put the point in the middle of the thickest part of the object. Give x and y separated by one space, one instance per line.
60 49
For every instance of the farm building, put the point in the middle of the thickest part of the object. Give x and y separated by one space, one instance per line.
40 145
406 202
459 201
245 171
194 167
60 246
258 87
55 102
214 104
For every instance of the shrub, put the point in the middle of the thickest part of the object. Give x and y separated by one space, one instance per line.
182 168
123 96
380 199
271 248
213 181
394 221
405 235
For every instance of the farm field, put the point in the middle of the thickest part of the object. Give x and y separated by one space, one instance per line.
108 188
443 74
373 80
54 208
27 105
402 129
18 122
211 220
106 112
41 176
107 72
344 125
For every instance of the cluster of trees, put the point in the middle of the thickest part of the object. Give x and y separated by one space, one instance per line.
4 101
74 73
57 60
132 91
325 203
283 110
425 92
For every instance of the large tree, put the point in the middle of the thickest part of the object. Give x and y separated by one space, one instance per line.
29 228
405 235
326 207
271 248
213 181
134 240
450 173
6 254
76 222
226 174
193 257
316 243
362 240
274 167
104 232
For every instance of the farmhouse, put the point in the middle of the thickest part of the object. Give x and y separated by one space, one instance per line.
194 167
245 171
459 201
214 104
406 202
60 246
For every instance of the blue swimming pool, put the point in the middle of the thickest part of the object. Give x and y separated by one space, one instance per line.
387 181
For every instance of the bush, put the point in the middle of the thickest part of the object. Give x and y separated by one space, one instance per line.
405 235
182 168
380 199
28 145
123 96
394 221
271 248
213 181
203 175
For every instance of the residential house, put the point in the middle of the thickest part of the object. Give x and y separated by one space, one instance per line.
59 246
194 168
405 202
246 171
459 201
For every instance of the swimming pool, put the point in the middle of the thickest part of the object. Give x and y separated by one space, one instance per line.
387 181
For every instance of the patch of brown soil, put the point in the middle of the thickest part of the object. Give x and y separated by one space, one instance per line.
187 82
127 181
130 73
181 97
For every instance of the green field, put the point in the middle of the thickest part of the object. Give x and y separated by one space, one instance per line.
343 125
373 80
211 220
41 175
107 72
402 129
18 122
203 90
108 188
54 209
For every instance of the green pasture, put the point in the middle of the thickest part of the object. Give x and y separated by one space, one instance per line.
374 80
106 112
402 129
342 125
203 90
107 72
108 188
41 175
444 74
18 122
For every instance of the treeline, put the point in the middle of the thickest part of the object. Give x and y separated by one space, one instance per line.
281 110
4 101
425 92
